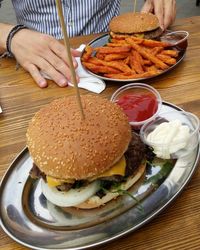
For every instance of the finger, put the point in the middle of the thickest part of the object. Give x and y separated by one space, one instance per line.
75 53
59 49
159 11
147 7
77 79
75 63
47 68
174 10
169 13
58 64
35 73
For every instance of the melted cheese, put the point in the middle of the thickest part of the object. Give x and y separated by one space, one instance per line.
117 169
53 182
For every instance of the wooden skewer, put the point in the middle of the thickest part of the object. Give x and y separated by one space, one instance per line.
134 7
69 56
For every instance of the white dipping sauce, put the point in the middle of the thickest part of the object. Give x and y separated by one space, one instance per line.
168 138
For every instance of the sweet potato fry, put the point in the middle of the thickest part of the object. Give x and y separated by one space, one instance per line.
137 56
112 50
167 59
153 43
152 69
116 44
128 76
127 60
124 36
135 63
95 61
137 40
87 54
120 65
100 69
112 57
173 53
100 56
154 51
118 37
149 43
147 55
147 62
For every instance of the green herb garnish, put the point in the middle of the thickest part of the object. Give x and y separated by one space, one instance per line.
162 174
116 188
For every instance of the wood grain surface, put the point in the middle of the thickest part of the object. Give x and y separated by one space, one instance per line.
178 227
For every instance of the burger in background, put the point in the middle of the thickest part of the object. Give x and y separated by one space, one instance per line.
80 162
138 24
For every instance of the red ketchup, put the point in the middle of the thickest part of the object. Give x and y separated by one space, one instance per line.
138 106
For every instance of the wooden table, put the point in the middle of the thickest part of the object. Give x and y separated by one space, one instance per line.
178 227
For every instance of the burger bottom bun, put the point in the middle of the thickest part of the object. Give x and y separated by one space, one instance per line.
95 201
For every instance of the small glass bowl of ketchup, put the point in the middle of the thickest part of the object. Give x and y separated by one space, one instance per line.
139 101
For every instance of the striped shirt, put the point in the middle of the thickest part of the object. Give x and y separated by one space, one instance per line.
82 17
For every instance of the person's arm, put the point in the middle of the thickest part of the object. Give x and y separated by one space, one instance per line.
35 51
165 10
4 31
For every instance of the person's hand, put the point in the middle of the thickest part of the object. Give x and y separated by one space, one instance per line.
165 10
37 52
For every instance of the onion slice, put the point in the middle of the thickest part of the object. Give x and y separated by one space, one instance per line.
70 198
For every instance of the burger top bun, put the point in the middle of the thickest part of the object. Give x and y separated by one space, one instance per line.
131 22
63 145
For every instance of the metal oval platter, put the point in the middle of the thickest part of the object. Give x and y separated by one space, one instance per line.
102 40
28 218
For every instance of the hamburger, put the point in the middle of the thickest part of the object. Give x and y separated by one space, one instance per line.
79 161
139 24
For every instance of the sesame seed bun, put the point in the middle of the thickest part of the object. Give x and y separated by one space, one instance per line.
65 146
131 22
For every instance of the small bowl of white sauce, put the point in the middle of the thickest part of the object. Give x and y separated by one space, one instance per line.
172 135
